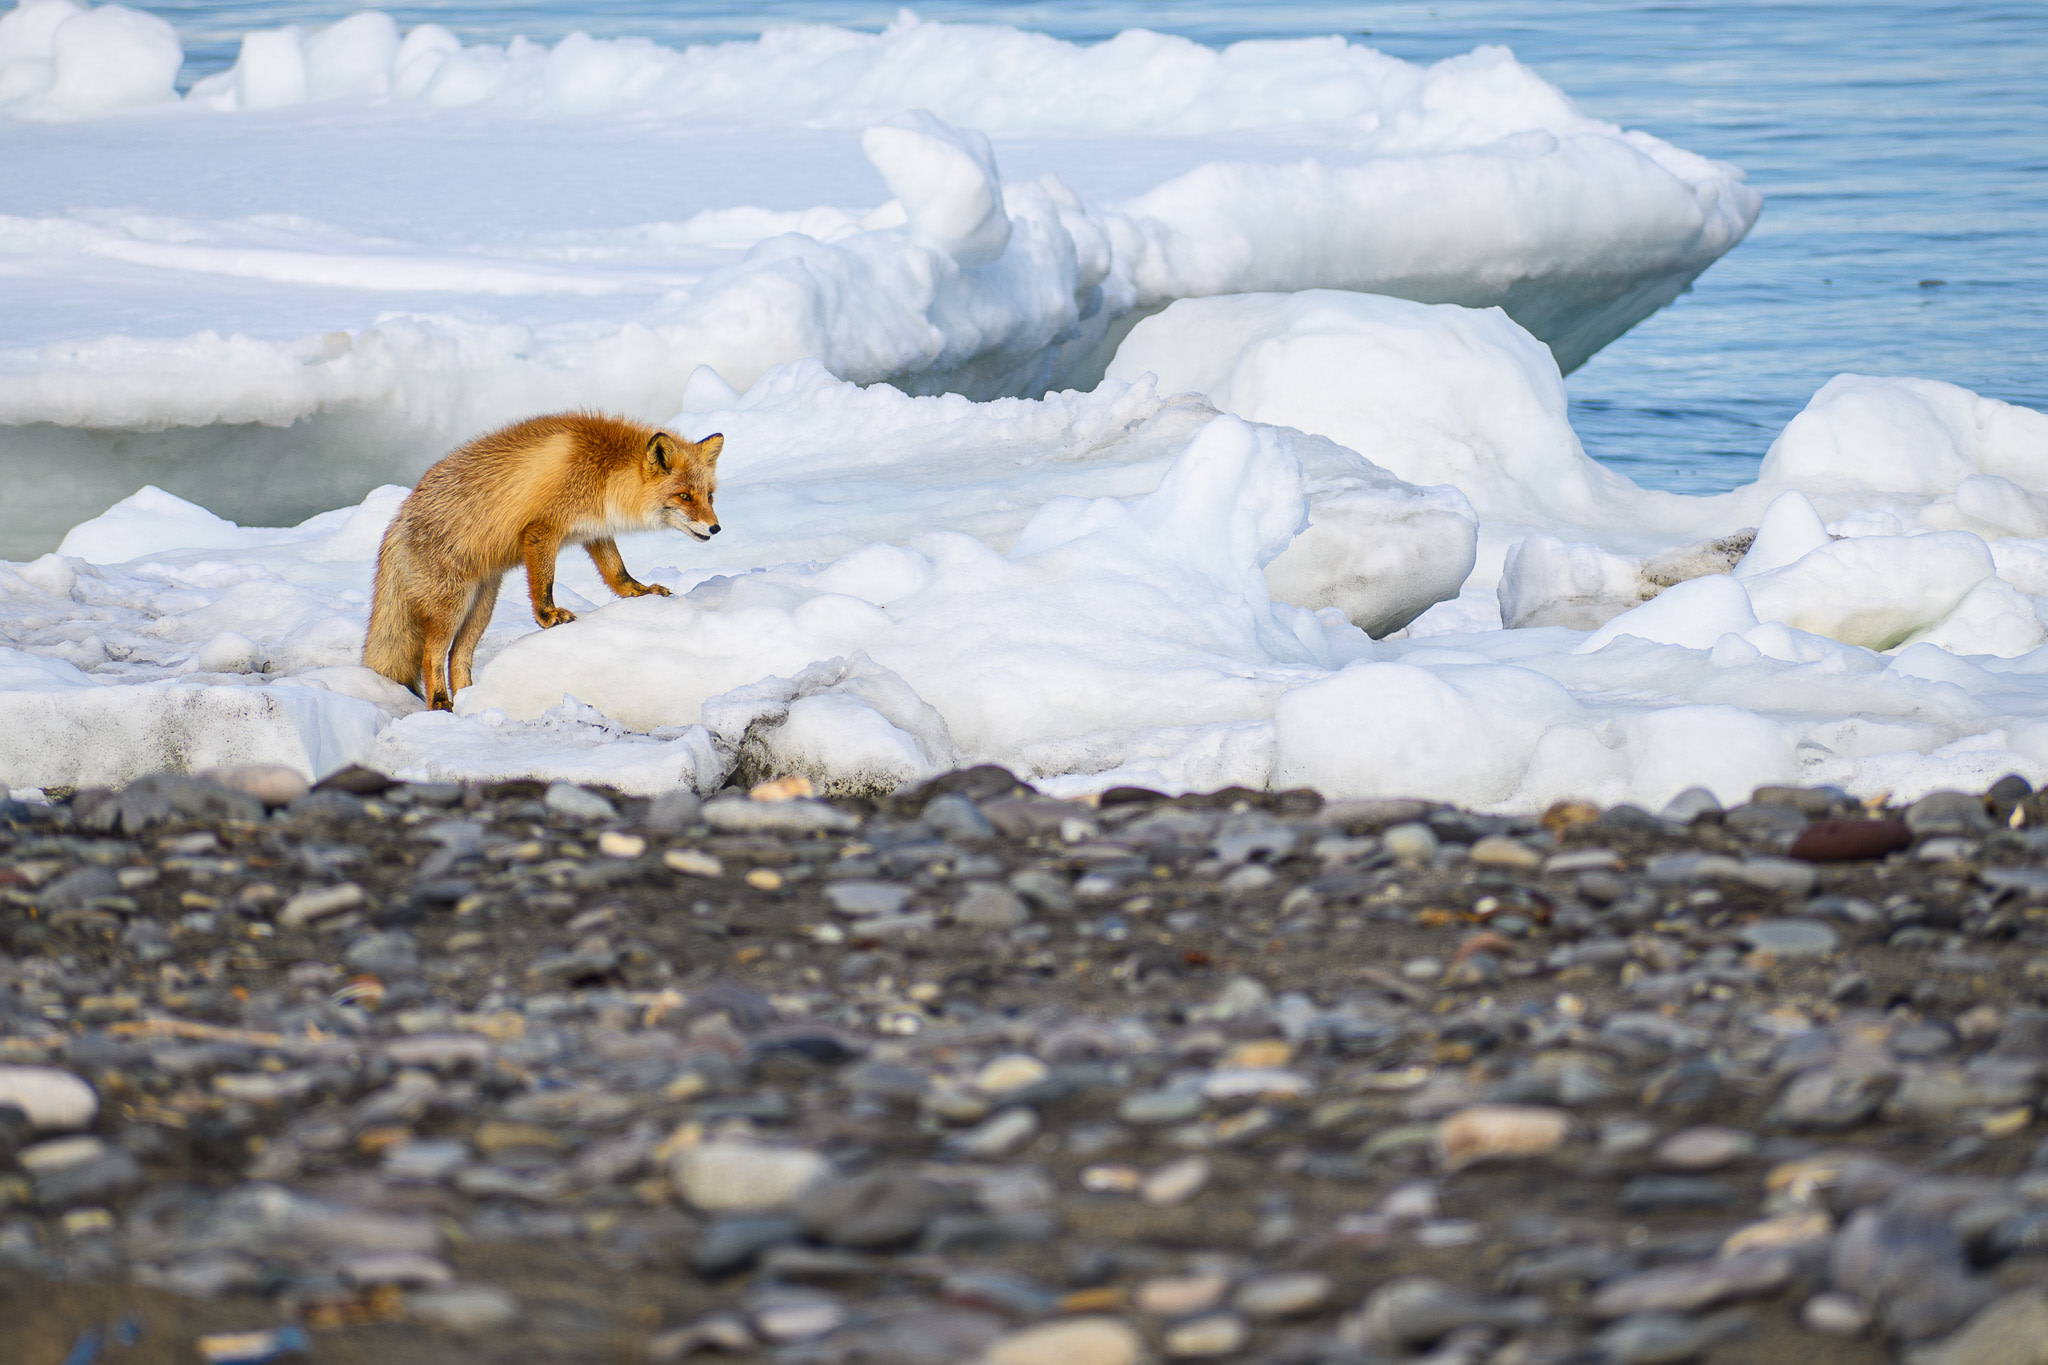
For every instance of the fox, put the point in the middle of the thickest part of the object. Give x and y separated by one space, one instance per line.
516 496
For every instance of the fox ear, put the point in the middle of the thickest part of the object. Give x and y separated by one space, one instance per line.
661 451
708 448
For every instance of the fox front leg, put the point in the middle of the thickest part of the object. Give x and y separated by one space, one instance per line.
604 553
538 545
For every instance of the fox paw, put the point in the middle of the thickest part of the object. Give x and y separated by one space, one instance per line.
440 701
554 616
655 590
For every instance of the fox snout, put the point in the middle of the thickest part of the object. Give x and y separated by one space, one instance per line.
679 520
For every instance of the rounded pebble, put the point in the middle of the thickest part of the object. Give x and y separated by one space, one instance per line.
1176 1182
722 1175
1073 1341
1219 1334
1283 1295
55 1101
464 1309
1497 1131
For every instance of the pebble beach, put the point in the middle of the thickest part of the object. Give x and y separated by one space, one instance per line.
517 1072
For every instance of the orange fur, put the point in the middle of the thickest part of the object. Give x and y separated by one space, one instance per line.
516 496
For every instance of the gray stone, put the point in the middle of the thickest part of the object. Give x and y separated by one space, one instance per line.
1829 1099
1694 1285
1910 1268
101 1180
862 900
1779 874
1156 1108
463 1309
1414 1311
1245 837
578 803
1681 869
732 1243
1949 813
425 1159
2011 1331
1657 1339
1835 1315
1045 889
1705 1148
673 812
1663 1193
1216 1334
997 1135
1283 1295
744 815
958 819
159 797
1689 805
879 1209
406 1269
783 1316
990 905
385 954
1792 937
318 903
76 887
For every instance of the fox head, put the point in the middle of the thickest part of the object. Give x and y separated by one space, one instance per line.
685 473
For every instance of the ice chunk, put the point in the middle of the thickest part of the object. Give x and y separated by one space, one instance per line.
1691 615
1875 591
353 57
1905 436
1790 528
111 58
1547 581
1388 729
1436 394
568 742
1993 618
945 179
850 726
60 729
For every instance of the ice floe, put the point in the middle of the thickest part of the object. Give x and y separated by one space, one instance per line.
1084 587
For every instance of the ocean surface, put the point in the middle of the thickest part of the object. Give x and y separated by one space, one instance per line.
1901 146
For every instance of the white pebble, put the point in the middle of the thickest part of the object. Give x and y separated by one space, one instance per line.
55 1101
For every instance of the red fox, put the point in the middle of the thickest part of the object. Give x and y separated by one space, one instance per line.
517 496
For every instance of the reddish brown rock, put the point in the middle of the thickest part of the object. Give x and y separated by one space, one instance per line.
1848 841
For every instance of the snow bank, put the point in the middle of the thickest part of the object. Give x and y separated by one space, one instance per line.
1079 587
823 659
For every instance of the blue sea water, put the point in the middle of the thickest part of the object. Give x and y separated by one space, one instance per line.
1901 147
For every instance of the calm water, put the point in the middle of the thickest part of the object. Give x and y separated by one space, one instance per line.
1901 146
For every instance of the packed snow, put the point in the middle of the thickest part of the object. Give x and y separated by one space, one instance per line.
362 243
1123 588
1224 437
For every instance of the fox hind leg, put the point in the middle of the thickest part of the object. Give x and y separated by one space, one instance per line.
483 600
604 553
437 632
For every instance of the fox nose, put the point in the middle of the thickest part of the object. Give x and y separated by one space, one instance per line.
714 528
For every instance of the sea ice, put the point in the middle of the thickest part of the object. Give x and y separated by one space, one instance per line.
1102 614
948 207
